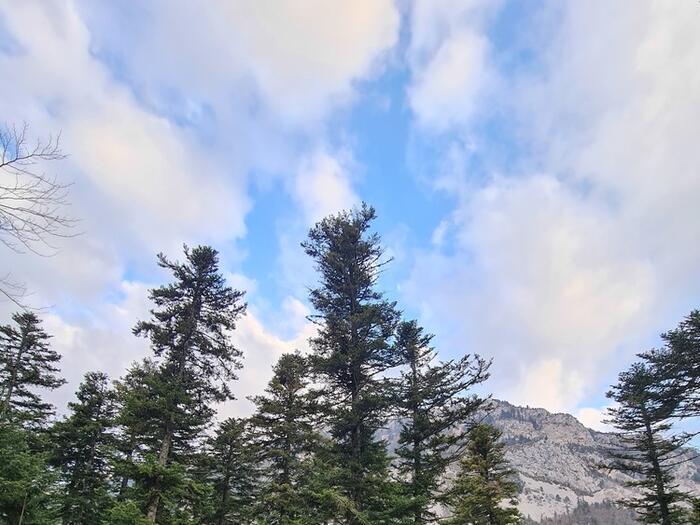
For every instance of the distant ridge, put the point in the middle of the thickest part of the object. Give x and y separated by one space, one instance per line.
557 457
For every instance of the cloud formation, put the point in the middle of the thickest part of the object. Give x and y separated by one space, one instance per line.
567 266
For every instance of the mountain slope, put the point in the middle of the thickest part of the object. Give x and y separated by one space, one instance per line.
557 459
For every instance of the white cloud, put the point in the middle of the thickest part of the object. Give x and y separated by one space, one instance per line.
563 275
323 185
165 108
594 418
446 90
448 55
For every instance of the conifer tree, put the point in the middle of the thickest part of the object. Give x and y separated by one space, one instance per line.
27 484
233 472
677 368
83 445
26 363
434 411
190 332
646 451
484 492
286 436
351 351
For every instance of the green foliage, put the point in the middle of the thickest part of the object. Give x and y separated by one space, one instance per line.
26 362
485 492
190 332
285 426
351 351
676 368
125 513
233 473
646 450
434 410
27 485
83 447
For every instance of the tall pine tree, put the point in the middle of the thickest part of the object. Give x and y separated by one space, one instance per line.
434 411
352 350
677 368
84 447
190 331
286 434
485 492
646 451
27 363
233 472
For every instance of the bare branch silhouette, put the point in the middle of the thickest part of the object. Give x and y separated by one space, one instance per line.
31 202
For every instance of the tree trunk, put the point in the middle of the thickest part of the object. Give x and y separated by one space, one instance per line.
658 474
162 462
5 408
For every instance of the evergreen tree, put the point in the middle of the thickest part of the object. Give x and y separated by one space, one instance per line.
26 363
27 485
190 331
484 492
285 429
646 451
233 472
434 412
83 445
351 351
677 368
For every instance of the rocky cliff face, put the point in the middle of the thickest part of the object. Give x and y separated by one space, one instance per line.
557 459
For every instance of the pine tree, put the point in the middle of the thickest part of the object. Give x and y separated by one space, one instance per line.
646 451
350 353
190 332
26 363
484 492
285 430
434 411
27 484
233 471
83 445
677 368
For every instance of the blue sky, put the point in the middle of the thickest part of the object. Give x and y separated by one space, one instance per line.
534 166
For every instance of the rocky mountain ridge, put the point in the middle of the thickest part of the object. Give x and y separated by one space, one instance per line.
558 460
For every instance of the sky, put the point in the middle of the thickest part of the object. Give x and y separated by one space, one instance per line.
534 166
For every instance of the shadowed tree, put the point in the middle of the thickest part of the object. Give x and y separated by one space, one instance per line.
83 447
646 450
485 492
352 350
434 411
190 332
26 363
286 433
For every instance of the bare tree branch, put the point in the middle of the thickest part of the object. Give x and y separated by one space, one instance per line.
31 202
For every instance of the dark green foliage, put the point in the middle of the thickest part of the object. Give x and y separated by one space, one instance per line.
646 450
190 333
26 363
83 447
233 472
286 436
485 492
676 367
351 351
434 411
27 485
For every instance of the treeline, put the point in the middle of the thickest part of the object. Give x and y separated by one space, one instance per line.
659 390
146 448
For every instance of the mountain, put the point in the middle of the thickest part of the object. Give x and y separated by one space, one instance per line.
557 459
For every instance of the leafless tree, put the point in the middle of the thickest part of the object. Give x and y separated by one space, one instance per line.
31 202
